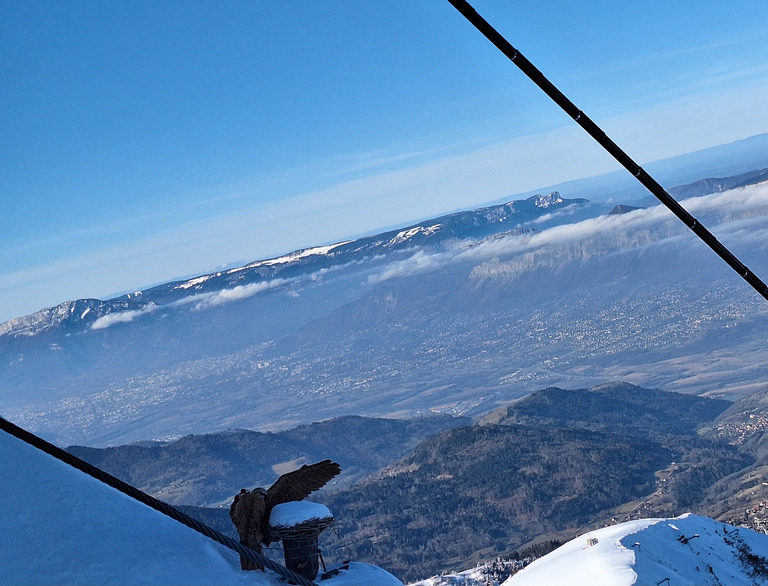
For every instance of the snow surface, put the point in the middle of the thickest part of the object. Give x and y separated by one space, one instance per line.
293 513
195 281
60 526
481 575
650 551
292 257
411 232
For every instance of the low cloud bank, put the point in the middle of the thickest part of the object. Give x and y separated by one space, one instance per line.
123 316
198 302
736 216
420 262
214 298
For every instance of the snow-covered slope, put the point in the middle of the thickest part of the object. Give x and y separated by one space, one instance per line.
60 526
688 550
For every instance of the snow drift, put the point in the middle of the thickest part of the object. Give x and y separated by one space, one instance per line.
688 550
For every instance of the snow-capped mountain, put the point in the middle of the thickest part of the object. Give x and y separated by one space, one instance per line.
60 526
261 275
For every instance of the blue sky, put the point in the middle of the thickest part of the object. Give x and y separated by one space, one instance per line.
145 141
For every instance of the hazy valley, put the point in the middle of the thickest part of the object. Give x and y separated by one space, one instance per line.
455 315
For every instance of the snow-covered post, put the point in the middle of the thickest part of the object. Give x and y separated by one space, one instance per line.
298 525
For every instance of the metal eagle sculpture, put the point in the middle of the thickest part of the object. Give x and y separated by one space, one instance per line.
251 509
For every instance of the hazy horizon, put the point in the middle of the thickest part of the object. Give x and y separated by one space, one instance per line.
151 142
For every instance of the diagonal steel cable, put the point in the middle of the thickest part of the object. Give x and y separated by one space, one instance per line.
613 149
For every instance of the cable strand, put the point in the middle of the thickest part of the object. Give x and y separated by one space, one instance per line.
613 149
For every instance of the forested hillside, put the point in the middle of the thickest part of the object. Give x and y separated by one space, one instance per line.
479 491
210 469
443 492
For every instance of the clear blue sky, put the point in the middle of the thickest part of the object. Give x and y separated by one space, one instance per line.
144 141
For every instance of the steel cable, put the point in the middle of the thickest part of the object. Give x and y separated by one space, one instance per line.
613 149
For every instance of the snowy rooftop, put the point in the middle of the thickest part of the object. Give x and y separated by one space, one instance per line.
60 526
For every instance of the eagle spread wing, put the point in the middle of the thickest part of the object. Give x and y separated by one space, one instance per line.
297 485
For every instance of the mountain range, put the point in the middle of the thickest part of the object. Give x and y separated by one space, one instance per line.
85 314
203 470
456 368
457 315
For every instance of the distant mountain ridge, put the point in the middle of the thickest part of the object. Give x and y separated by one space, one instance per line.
718 184
610 406
727 160
472 224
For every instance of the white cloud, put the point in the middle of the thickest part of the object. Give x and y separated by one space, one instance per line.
214 298
420 262
198 302
123 317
